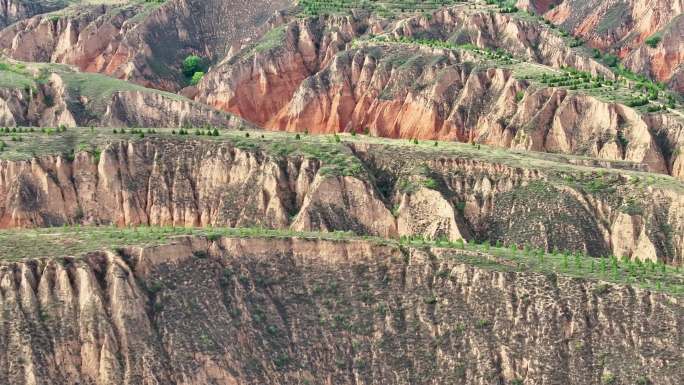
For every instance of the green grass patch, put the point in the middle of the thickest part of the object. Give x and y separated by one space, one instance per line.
77 241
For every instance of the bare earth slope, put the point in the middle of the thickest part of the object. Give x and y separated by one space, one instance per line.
623 27
315 75
12 11
46 95
292 311
389 191
143 42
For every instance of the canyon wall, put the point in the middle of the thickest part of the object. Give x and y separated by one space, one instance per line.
255 311
204 183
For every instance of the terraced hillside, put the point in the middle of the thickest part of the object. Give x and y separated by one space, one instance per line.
646 35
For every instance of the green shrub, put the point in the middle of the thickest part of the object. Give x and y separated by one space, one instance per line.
519 96
611 60
652 41
608 379
430 183
483 324
196 77
192 64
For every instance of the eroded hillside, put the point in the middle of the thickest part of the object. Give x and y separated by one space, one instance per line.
47 95
318 310
459 73
140 41
12 11
388 189
647 35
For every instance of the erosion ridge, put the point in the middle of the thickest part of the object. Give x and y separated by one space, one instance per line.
283 182
12 11
323 75
625 28
287 311
52 95
122 40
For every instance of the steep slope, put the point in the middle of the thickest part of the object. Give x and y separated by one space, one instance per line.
623 27
123 40
293 311
307 76
12 11
376 189
52 95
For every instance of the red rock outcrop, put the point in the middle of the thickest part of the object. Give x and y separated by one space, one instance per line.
405 92
258 83
125 40
623 27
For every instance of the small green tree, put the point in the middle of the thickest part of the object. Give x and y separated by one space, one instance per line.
519 96
191 65
611 60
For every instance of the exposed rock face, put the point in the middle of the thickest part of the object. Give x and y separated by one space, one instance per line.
257 311
151 109
170 183
623 27
427 213
403 92
345 203
125 40
257 84
167 182
12 11
59 101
